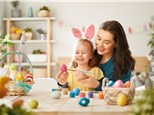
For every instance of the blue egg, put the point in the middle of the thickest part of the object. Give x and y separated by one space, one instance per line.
110 83
76 91
84 101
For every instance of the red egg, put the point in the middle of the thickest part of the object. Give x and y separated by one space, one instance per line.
29 77
63 68
118 84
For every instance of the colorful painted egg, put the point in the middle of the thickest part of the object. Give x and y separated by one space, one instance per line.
118 84
55 94
127 84
28 77
19 77
63 68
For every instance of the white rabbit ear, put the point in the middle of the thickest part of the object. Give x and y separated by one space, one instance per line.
76 32
90 31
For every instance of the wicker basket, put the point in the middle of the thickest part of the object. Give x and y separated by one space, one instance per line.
16 88
111 94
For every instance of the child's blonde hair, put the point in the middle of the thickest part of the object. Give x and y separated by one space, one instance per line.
92 62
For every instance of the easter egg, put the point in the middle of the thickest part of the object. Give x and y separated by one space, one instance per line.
13 67
118 84
32 103
17 103
110 83
19 77
55 94
127 84
63 68
122 99
28 77
83 101
76 91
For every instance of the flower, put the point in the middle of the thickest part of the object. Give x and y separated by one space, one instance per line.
4 42
16 30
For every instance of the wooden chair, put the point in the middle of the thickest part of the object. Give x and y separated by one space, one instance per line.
141 64
63 60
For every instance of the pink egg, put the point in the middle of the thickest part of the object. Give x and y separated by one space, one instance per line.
118 84
63 68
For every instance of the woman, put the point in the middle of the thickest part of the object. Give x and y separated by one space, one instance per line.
112 54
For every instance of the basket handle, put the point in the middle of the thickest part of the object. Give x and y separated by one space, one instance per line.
104 81
25 56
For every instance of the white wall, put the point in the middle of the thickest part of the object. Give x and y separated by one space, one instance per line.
80 14
2 14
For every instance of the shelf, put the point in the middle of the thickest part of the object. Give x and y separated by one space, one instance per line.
48 41
35 64
30 19
34 41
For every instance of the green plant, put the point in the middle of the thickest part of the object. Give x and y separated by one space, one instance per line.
45 8
151 41
5 110
4 42
15 3
37 51
28 29
144 104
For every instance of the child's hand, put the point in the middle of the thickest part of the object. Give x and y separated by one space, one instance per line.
80 75
61 77
89 81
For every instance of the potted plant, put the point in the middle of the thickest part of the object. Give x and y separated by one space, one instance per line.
16 33
143 105
4 43
28 33
15 12
150 55
44 12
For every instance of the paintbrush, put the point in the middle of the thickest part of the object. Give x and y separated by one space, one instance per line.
85 72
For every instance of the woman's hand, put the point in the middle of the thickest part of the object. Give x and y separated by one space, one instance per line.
61 77
87 80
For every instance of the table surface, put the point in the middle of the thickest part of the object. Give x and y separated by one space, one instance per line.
66 105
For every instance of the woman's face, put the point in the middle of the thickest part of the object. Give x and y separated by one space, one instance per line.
105 43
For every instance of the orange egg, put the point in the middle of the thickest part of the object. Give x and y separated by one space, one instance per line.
127 84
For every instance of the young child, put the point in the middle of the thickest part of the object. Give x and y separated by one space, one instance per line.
83 63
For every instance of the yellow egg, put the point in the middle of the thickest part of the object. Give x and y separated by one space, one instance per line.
19 77
122 99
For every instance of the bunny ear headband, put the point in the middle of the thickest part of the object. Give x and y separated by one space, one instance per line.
87 33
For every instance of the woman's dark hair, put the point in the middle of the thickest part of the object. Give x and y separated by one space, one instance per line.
92 62
122 59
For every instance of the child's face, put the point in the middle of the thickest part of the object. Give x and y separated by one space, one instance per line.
83 53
